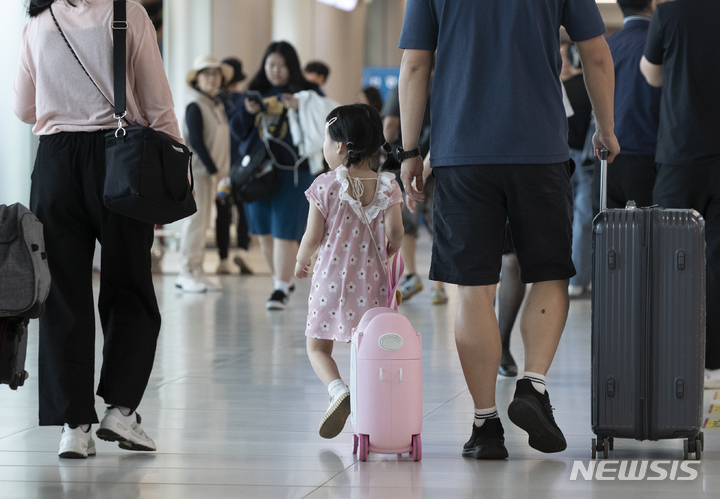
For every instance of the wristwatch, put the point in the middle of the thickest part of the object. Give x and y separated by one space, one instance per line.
402 155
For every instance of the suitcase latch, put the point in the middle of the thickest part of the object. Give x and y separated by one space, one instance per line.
611 260
611 387
681 260
679 388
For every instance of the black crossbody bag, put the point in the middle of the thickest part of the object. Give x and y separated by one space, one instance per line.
148 174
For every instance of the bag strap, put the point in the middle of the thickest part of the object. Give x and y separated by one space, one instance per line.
119 33
76 56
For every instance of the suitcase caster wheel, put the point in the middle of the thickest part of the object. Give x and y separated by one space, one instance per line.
702 440
355 443
606 447
698 449
611 442
416 448
686 453
363 447
594 450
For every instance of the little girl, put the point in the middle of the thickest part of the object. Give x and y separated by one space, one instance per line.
349 276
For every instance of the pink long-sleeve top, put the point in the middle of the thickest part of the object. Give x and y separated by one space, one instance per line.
53 92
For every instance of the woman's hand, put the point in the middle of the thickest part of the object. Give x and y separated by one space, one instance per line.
290 101
302 269
252 107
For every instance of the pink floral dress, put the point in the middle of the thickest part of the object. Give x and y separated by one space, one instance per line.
348 279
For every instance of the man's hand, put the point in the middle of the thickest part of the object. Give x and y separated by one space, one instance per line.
608 141
412 169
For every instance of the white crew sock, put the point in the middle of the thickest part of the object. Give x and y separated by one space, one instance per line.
481 415
538 380
282 286
336 387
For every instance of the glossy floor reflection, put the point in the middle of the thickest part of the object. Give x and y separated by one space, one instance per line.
233 405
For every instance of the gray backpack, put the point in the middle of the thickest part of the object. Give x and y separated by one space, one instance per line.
24 271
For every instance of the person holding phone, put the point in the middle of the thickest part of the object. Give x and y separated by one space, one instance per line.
279 220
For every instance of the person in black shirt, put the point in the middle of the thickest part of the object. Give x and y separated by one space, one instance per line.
681 55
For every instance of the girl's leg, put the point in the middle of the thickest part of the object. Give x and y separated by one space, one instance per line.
320 355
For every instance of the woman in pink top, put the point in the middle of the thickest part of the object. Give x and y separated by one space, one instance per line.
352 211
71 111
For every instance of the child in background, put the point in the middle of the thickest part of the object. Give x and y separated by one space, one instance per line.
346 204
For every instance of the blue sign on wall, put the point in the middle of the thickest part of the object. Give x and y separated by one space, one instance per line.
381 77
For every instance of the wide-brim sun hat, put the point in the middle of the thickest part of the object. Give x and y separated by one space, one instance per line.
208 62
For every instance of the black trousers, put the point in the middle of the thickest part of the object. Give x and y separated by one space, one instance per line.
698 187
630 177
222 227
66 195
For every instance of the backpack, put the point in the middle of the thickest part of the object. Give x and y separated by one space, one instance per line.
24 270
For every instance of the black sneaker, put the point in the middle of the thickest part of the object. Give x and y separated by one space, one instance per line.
278 300
487 441
531 411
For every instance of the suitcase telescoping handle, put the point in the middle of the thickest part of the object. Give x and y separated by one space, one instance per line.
603 178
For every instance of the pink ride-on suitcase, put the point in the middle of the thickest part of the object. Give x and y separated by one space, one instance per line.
386 380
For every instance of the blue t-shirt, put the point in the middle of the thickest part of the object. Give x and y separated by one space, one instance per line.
497 96
637 104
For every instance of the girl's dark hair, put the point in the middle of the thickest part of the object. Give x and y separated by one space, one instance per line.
296 81
37 7
360 127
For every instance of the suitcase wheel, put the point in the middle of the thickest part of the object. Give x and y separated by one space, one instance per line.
363 447
611 443
693 447
416 448
601 445
355 443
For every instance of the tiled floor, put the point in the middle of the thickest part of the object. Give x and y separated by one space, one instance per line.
233 405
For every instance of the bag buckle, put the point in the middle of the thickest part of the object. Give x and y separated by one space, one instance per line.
119 25
120 123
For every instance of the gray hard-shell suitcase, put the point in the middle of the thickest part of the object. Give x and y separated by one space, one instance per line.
24 270
648 325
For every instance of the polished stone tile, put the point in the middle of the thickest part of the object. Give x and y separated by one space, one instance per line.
234 405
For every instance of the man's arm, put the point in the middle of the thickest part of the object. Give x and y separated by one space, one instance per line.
414 83
653 73
600 83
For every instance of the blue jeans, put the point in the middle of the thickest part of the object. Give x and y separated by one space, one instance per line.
582 220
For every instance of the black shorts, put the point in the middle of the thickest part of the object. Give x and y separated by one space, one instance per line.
471 206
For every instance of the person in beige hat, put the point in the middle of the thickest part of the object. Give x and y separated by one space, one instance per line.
207 134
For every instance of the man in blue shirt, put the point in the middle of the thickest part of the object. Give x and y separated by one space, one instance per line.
499 149
637 112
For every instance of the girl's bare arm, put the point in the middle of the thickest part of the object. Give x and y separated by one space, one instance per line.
310 241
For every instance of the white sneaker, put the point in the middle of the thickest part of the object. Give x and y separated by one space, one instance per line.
712 379
126 430
76 443
334 419
189 284
223 267
410 287
575 291
210 284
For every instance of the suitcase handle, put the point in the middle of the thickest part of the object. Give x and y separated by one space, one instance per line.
603 178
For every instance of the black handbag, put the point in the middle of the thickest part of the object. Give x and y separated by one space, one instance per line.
255 176
148 174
